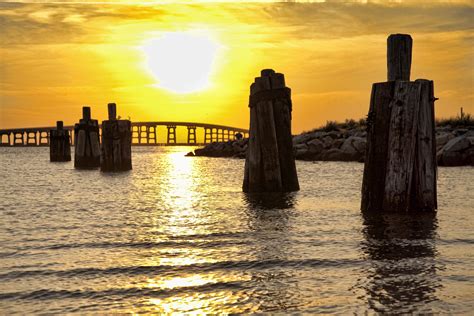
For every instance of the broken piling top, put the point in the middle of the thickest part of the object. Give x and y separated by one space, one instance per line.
399 52
270 164
86 113
112 108
59 125
270 85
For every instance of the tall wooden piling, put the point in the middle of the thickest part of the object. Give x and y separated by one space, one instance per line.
400 165
86 141
116 149
59 145
270 164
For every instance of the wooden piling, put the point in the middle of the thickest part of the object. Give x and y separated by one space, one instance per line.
59 145
116 150
399 52
270 164
86 142
400 165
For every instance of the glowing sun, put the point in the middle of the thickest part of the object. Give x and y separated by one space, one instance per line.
181 62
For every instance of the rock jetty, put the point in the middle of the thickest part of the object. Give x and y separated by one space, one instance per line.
454 146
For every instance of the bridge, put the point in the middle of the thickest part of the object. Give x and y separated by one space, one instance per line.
143 134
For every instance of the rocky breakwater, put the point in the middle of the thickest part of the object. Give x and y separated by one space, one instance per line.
455 146
235 148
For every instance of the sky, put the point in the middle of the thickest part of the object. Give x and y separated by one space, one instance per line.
195 60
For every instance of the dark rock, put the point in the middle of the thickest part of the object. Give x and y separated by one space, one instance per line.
315 146
457 152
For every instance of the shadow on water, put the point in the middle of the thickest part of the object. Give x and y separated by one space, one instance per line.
402 249
269 217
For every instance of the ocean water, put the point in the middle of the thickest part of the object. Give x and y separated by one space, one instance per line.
176 234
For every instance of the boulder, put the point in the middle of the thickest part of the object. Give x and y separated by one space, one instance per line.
334 134
327 141
457 152
337 143
300 150
301 139
315 146
354 147
442 139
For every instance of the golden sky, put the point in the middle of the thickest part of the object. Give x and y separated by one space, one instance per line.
195 60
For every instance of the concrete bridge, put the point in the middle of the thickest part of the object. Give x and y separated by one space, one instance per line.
143 134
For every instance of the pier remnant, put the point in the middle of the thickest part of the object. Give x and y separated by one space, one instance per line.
116 150
400 166
86 141
270 163
59 144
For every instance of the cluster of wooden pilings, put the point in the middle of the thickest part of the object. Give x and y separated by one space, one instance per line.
114 153
400 167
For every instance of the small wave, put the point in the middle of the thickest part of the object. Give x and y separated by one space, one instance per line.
121 292
192 268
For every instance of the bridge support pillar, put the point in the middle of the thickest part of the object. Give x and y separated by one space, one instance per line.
135 134
171 139
191 134
142 133
151 134
18 138
31 138
207 135
43 135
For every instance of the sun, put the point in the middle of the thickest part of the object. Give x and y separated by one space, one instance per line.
181 62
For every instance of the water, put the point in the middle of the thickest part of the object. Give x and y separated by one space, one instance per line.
176 234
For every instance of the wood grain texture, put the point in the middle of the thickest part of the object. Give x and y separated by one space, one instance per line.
59 144
116 146
282 116
399 54
87 145
401 146
425 169
269 165
373 183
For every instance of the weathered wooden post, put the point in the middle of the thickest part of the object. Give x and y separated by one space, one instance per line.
86 141
59 146
116 149
400 165
270 164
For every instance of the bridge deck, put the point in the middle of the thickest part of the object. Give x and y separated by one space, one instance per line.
158 123
143 133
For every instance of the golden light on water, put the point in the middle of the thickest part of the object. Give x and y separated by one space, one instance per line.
181 62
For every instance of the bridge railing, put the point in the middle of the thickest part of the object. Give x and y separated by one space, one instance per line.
143 133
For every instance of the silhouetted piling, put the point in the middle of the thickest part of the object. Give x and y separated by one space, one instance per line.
400 165
270 164
59 144
116 150
86 141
